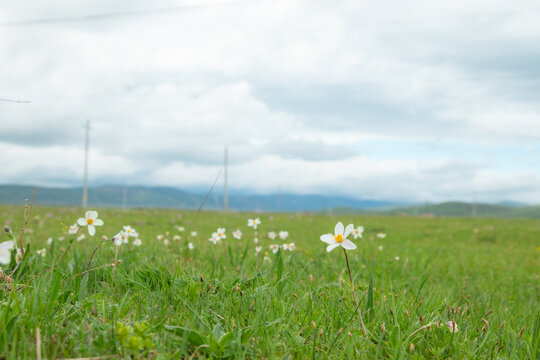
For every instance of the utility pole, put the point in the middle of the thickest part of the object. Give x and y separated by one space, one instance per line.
85 180
225 180
474 209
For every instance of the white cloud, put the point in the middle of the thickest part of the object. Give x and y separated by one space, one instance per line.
294 88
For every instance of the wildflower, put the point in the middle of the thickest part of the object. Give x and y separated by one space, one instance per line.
61 238
166 242
258 250
274 248
215 239
256 240
396 258
190 246
130 231
380 247
266 258
160 237
358 231
5 251
254 222
41 252
49 241
381 235
237 234
193 233
452 326
137 242
221 233
177 237
81 237
180 228
289 246
272 235
91 220
283 235
118 238
73 229
339 238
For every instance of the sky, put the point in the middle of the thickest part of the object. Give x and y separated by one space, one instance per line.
388 100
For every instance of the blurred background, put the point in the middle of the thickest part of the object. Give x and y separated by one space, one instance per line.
320 104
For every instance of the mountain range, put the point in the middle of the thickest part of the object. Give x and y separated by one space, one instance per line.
166 197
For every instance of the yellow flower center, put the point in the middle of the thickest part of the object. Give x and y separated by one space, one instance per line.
339 238
90 221
219 234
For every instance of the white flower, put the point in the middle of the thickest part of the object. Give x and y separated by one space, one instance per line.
49 241
266 258
283 235
452 326
137 242
160 237
190 246
339 238
380 247
61 238
272 235
180 228
274 248
166 242
221 233
81 237
5 251
356 233
41 252
256 240
396 258
73 229
177 237
258 250
91 220
381 235
237 234
118 238
130 231
289 246
215 239
254 222
193 233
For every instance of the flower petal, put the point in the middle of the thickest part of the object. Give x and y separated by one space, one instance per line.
5 256
348 230
82 222
7 245
347 244
91 214
332 247
91 230
338 230
328 238
98 222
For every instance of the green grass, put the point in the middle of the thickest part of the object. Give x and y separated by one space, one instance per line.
222 301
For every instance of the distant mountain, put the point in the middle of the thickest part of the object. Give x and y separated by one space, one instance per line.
165 197
454 209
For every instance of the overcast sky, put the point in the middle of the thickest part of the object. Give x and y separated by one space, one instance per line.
391 100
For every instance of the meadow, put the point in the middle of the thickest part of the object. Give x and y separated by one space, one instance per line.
166 299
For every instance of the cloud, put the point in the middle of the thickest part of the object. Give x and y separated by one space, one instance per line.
308 95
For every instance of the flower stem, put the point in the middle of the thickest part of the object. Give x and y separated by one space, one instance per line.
354 294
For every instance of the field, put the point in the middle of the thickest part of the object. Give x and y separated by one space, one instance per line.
164 300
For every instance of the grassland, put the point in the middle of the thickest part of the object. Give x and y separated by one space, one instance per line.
223 301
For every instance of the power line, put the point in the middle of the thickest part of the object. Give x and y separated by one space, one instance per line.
119 14
16 101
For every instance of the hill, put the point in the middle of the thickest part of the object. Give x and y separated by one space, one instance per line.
165 197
